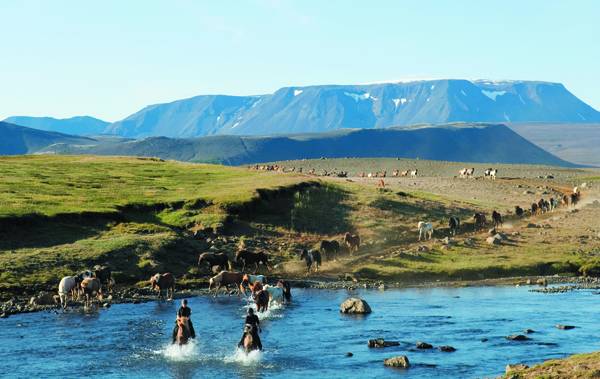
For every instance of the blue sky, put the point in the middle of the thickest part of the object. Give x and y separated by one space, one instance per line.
109 59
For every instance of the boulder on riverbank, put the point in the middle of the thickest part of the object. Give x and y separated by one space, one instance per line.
42 299
401 361
355 306
517 367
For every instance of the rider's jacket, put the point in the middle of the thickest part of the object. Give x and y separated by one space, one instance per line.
184 312
252 320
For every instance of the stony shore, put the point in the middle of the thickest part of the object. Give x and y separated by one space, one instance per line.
133 295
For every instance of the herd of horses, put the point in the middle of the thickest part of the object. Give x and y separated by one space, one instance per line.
86 284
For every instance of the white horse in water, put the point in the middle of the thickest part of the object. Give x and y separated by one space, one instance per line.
425 228
275 293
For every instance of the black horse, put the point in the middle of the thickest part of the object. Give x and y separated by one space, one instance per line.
496 219
518 211
104 275
454 225
285 285
330 247
310 257
221 260
249 258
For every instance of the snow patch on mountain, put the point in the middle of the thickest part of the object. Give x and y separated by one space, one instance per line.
463 92
357 97
259 100
297 92
506 117
492 94
396 101
522 100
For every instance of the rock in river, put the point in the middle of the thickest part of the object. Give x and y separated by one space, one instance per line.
423 345
517 337
354 305
401 361
380 342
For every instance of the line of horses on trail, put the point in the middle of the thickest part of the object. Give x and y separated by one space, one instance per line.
86 283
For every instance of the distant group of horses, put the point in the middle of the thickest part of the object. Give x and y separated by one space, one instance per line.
86 284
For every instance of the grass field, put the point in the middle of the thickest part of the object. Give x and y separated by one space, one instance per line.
63 214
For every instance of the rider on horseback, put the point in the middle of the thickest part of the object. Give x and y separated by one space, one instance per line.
251 321
184 311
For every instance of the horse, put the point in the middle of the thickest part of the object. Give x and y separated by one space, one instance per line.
575 198
310 257
380 183
68 284
454 224
469 172
353 242
493 174
311 171
552 204
253 278
164 281
89 286
103 274
248 258
285 286
534 209
183 334
395 174
425 228
540 205
275 293
413 174
250 340
478 219
330 247
211 259
261 300
361 175
382 175
462 173
404 173
225 279
518 211
255 287
496 219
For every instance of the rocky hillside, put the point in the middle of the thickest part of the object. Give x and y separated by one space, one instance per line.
458 142
331 107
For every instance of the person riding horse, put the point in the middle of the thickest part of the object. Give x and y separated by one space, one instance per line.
184 311
251 321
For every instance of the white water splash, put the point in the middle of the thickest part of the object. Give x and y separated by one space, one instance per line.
187 352
240 356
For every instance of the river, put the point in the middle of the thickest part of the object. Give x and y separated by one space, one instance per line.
307 338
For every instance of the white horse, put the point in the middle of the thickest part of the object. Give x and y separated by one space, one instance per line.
254 278
275 293
425 228
493 174
413 174
67 284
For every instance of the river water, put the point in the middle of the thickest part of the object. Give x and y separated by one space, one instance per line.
307 338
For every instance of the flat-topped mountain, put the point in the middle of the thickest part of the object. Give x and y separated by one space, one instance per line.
330 107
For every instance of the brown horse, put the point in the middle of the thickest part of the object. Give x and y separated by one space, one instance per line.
261 299
353 242
255 287
249 258
183 334
225 279
164 281
211 259
250 340
88 287
380 183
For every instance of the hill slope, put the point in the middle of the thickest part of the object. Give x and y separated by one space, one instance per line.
578 143
74 125
18 140
459 142
331 107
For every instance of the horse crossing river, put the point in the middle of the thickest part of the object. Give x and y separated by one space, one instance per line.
307 337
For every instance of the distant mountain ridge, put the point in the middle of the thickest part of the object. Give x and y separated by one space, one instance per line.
74 125
459 142
331 107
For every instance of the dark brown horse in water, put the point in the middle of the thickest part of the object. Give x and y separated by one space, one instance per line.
88 287
250 340
249 258
221 260
183 334
225 279
353 242
163 282
261 299
285 286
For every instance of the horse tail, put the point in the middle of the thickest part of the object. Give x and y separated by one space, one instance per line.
229 263
111 281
